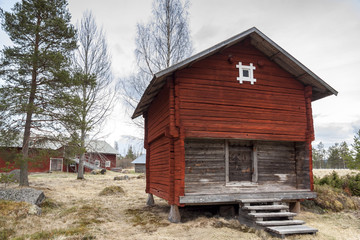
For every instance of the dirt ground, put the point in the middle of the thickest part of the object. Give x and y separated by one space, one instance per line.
75 210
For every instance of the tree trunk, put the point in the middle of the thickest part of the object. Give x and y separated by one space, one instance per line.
81 167
82 157
24 180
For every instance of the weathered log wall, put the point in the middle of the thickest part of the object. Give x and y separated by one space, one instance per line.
281 165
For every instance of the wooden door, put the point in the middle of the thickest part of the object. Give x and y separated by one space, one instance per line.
240 161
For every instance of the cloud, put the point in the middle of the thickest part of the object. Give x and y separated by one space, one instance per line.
335 132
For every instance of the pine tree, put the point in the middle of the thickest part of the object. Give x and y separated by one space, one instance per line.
355 163
34 69
345 155
334 159
130 154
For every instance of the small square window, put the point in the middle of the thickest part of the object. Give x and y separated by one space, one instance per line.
245 73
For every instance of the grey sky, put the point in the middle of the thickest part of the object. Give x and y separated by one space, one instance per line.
324 35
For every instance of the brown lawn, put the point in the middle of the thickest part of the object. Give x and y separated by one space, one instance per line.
75 210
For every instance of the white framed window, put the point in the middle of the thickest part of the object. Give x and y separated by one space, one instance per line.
246 73
107 164
56 164
97 163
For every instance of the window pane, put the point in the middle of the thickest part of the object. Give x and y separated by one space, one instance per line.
245 73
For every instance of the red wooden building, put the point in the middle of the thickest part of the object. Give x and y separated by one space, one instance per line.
49 157
230 123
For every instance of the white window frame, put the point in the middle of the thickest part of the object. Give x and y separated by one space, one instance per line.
97 163
107 164
243 78
62 163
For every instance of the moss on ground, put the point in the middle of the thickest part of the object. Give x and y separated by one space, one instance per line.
79 231
148 221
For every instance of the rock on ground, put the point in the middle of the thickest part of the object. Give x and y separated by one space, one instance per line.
98 171
126 177
28 195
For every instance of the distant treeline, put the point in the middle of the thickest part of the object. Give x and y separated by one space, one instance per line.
339 155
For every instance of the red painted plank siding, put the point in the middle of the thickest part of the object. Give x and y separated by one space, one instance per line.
158 147
159 168
158 115
215 105
39 159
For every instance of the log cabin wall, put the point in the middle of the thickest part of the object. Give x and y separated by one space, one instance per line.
158 147
277 162
280 166
213 104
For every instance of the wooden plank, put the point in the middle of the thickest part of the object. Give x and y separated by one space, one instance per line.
226 161
272 214
266 207
233 198
259 200
255 163
280 223
292 229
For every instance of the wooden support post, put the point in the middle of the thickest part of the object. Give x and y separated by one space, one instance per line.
226 161
174 214
294 207
150 201
255 163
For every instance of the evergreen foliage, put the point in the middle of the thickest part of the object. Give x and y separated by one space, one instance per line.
355 162
349 183
34 69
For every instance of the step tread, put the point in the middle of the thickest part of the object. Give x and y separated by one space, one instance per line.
259 200
273 214
292 229
280 223
266 207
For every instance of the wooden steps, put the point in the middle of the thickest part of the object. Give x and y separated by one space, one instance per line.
266 207
279 223
281 231
271 215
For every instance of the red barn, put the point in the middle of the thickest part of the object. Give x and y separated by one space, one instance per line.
231 123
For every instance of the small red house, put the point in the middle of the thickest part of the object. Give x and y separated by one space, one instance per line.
49 157
230 123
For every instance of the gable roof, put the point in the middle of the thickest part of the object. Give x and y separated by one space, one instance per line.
100 146
140 160
264 44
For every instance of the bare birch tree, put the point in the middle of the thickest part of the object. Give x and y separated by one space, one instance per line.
92 97
165 40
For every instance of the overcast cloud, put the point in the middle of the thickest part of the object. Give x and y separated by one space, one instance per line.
324 35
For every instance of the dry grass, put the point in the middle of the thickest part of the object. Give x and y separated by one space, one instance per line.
75 210
341 172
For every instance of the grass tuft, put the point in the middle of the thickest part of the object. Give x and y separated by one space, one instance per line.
233 224
6 233
14 209
49 204
112 190
149 221
331 199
